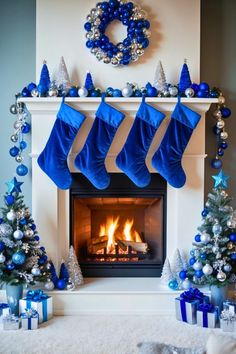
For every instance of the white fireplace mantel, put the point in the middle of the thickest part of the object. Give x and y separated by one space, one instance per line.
50 206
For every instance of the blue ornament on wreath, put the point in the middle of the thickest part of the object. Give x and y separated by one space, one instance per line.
22 170
18 258
23 144
224 145
203 256
192 261
23 222
14 151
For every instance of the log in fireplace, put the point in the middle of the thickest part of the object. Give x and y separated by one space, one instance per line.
119 231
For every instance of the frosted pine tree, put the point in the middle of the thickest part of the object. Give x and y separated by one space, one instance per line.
160 78
75 274
177 264
62 78
166 274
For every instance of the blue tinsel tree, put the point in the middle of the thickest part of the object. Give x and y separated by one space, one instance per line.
44 81
185 80
89 82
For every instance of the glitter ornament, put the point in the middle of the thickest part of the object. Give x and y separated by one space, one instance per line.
207 269
18 258
5 230
221 276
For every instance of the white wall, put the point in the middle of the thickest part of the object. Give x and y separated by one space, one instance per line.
175 27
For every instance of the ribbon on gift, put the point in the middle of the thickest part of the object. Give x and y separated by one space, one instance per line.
37 296
3 306
206 308
29 314
190 296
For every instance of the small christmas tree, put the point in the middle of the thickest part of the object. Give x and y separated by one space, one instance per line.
89 82
184 81
64 272
44 81
166 274
160 78
74 270
62 78
22 260
177 264
213 258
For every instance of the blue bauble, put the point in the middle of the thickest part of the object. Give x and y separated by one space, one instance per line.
137 93
220 152
203 86
10 199
205 212
214 94
226 112
192 253
224 145
2 246
233 256
23 145
232 237
198 273
173 284
203 256
202 94
197 238
37 238
216 163
42 259
216 130
94 93
33 227
87 26
23 222
73 92
183 274
42 248
22 170
61 284
192 260
10 266
26 128
116 93
31 86
151 92
195 87
18 258
25 92
14 151
1 220
42 89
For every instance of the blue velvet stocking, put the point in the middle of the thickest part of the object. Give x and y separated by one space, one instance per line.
131 159
91 159
53 159
167 159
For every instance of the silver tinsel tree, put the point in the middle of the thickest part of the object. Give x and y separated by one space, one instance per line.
160 79
177 264
75 274
166 274
62 77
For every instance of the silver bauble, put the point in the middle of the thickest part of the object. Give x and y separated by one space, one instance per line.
28 233
2 258
13 109
49 285
216 229
106 60
231 223
223 135
134 57
186 284
227 268
70 285
127 91
97 21
83 92
215 249
220 124
166 93
217 114
18 234
53 92
14 138
114 61
34 92
221 99
5 230
197 265
17 124
89 18
140 52
119 55
230 245
173 90
11 215
35 271
205 238
189 92
207 269
19 158
221 276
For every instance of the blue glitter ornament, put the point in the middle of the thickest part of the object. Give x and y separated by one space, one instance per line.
10 200
22 170
216 163
183 274
18 258
14 151
198 273
197 238
2 246
226 112
26 128
173 284
232 236
61 284
192 260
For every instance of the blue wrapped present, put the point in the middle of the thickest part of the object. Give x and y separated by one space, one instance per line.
229 305
4 311
11 322
39 301
186 305
29 319
207 315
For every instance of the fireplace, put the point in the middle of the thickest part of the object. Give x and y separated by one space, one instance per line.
119 231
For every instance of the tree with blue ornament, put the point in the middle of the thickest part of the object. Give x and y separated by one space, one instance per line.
22 260
213 256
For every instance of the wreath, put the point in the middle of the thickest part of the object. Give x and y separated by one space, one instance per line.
133 45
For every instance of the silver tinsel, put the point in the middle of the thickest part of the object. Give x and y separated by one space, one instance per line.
8 243
74 270
5 230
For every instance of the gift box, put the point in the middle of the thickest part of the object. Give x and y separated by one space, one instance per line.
39 301
29 319
186 305
229 305
207 315
11 322
227 321
4 311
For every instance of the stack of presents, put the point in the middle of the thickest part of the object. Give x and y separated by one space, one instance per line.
194 307
35 308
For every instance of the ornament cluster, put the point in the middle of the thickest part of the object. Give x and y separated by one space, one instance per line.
131 16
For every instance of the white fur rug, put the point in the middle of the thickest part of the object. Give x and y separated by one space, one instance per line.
101 335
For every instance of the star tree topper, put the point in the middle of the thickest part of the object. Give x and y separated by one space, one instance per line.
221 180
14 186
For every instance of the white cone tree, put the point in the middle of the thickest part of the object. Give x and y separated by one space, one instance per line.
160 78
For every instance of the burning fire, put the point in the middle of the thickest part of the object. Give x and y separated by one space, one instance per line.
110 230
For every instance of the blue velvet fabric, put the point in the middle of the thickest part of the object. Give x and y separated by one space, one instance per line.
131 159
167 159
91 160
53 159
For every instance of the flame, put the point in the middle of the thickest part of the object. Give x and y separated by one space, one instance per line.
137 237
127 229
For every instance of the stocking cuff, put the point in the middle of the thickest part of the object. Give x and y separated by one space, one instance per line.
185 115
150 115
109 114
70 116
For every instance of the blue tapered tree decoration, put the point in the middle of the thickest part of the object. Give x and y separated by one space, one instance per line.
64 272
89 82
54 277
44 81
185 80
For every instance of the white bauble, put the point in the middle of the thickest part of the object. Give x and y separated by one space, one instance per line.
197 265
83 92
205 238
173 91
49 285
18 234
186 284
216 229
127 91
2 258
11 215
227 268
207 269
35 271
189 92
221 276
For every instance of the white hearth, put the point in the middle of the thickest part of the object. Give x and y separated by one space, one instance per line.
50 206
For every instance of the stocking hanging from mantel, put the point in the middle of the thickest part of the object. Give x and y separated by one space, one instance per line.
53 159
91 159
131 159
167 159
